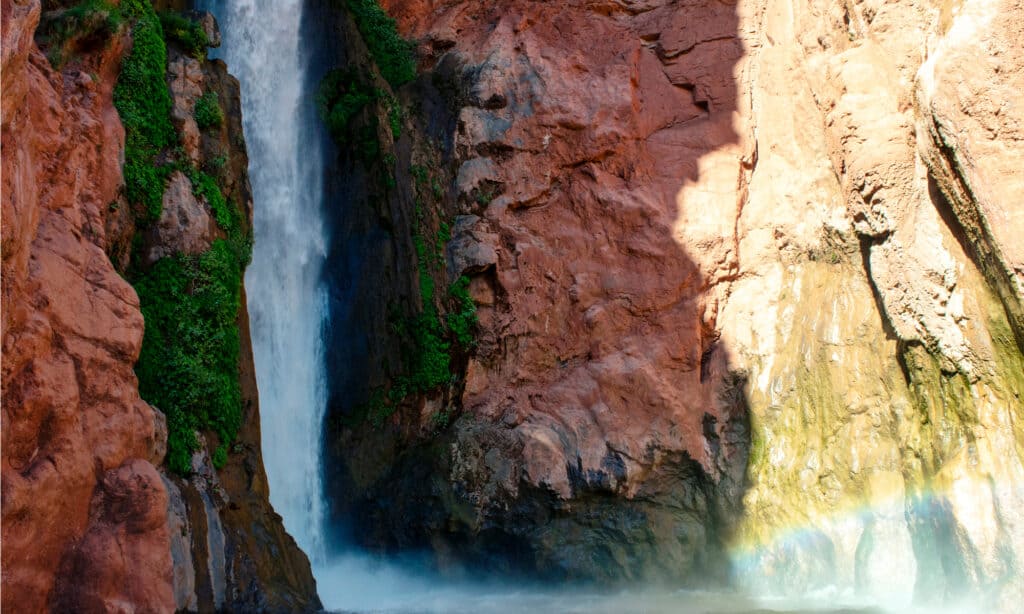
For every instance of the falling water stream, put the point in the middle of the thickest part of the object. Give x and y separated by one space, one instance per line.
265 47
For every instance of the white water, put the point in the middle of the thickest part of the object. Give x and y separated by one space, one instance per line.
263 47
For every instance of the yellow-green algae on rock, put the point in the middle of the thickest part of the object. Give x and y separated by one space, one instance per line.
866 458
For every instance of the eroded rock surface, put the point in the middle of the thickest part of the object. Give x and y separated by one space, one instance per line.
748 298
71 334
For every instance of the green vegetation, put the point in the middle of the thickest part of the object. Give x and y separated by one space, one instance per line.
207 112
431 341
342 94
463 319
392 53
368 141
429 359
216 164
395 116
144 103
485 195
185 32
444 235
188 366
443 418
220 456
88 22
342 98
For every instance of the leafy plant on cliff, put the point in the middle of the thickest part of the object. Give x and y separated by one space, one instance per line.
462 319
188 366
187 33
341 96
207 112
392 53
144 104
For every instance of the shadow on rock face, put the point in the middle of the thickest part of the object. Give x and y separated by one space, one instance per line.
599 431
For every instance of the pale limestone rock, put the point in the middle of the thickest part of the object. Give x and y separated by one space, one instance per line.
971 123
184 580
185 78
185 225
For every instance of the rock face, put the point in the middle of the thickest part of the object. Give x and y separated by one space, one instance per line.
749 298
90 521
185 225
78 442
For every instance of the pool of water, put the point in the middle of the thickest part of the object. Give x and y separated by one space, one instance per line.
364 584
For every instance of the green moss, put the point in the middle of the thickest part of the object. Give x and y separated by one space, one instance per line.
444 233
392 53
429 360
758 454
207 112
420 174
395 116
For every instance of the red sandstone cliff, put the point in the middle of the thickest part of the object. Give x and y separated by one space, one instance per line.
91 520
80 486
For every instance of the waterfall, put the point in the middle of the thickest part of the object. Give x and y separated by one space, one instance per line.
265 50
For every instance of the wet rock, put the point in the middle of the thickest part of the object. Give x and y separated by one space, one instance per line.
180 531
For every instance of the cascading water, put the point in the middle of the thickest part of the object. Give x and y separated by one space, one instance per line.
263 46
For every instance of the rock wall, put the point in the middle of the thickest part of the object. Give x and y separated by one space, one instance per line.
92 521
748 292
